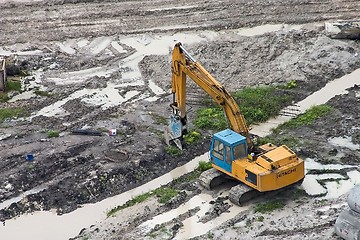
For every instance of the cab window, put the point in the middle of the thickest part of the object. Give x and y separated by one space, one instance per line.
218 150
228 155
239 151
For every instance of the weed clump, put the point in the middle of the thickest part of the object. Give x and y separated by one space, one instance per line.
173 151
308 117
164 195
6 113
192 137
257 104
269 206
53 134
203 166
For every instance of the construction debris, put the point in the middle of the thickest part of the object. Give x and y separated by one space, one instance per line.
2 74
347 225
344 29
86 132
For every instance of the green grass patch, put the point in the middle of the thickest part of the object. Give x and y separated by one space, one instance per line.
130 203
173 151
42 93
260 103
4 97
160 120
194 175
308 117
210 118
260 218
192 137
53 134
6 113
257 104
164 194
292 84
203 166
13 85
269 206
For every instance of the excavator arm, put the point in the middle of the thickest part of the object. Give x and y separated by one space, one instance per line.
183 64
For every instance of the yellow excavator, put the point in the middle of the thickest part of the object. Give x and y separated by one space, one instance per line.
233 152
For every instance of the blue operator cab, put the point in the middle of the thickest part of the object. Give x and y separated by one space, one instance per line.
227 146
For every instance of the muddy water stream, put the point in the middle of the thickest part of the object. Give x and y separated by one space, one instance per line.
48 225
331 89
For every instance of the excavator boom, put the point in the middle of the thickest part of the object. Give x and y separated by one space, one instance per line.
183 64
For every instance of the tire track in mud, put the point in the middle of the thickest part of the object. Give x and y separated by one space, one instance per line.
280 234
45 21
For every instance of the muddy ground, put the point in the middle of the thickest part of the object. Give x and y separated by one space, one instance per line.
75 50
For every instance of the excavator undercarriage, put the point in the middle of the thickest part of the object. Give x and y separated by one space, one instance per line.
240 193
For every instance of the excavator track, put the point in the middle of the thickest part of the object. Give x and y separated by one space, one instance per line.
212 178
239 194
242 193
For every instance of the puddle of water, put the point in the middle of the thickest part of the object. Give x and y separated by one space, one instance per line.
118 47
331 89
155 88
312 164
21 196
68 225
82 43
336 189
32 84
312 186
152 99
99 44
192 227
110 96
198 200
160 45
344 142
67 78
332 189
4 52
66 48
23 96
56 108
337 205
265 128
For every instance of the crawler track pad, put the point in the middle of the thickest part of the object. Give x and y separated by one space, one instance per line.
211 178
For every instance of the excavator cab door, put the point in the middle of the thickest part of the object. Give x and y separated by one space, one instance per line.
227 146
220 155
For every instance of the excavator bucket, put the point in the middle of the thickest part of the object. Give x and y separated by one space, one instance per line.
173 132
